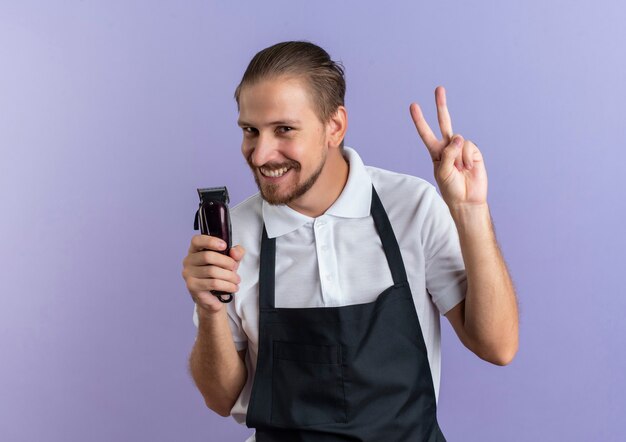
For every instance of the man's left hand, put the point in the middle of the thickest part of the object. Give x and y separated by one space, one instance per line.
459 168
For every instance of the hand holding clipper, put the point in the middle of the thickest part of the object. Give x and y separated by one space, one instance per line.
213 219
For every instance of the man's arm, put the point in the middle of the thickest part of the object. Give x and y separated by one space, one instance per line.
486 321
218 370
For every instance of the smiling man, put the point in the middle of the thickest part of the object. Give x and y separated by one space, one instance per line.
341 270
289 156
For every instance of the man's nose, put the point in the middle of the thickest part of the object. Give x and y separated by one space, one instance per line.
264 149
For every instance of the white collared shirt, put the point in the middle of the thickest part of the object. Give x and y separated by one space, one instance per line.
337 258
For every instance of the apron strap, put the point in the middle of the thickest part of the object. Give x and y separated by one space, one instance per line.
388 239
267 271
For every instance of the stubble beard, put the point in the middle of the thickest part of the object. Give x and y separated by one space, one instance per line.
269 192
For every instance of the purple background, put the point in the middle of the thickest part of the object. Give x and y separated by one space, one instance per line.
113 113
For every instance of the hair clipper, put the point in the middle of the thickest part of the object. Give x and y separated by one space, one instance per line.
213 219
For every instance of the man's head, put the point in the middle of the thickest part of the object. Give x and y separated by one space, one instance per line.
290 102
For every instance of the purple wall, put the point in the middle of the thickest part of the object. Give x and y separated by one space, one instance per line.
112 112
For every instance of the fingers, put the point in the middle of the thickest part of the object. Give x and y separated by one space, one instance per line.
445 123
450 158
206 270
209 257
206 242
464 156
198 285
423 129
237 253
214 272
468 154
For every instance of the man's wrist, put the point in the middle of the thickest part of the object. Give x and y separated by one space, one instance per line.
208 318
474 219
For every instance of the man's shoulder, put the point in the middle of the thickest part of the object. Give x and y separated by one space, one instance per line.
249 206
411 202
393 185
247 219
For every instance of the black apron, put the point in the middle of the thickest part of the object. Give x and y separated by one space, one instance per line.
352 373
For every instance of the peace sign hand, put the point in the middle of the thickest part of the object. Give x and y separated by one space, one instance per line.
459 168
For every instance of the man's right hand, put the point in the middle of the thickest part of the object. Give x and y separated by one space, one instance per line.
206 269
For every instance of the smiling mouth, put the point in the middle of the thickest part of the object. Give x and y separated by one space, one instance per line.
274 173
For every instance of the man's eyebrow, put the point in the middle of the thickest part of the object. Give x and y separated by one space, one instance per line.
242 123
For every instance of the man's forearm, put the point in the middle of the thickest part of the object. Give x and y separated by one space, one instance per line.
491 314
215 365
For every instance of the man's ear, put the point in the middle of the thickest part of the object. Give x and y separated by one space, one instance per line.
337 126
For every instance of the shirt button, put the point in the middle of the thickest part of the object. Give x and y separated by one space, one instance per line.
321 223
324 248
329 277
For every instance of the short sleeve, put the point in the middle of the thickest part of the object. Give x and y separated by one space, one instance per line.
234 322
446 280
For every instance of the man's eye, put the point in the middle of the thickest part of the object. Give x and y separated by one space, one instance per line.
249 130
284 129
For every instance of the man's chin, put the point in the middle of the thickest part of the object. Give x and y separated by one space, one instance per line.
274 199
291 190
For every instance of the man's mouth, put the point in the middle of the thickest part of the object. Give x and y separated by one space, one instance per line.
274 173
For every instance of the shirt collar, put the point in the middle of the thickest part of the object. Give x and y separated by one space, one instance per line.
353 202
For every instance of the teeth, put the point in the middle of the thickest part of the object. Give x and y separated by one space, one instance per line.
274 173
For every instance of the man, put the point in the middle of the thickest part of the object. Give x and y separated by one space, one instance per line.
341 270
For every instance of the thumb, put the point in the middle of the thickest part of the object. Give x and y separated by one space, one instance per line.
449 155
237 252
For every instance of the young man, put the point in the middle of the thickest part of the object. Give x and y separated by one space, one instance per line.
342 270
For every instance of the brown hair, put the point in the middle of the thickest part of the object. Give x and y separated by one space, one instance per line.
325 77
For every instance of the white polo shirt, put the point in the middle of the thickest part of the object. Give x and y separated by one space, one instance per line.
337 258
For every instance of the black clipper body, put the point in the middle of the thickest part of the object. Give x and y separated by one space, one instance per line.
213 218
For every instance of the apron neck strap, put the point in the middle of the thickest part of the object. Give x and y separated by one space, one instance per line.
388 239
267 271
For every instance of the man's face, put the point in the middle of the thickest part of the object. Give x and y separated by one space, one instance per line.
281 131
